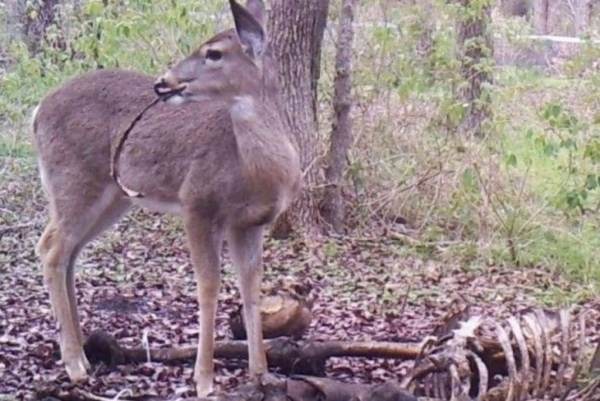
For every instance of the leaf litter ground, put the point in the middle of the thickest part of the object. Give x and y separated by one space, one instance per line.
136 282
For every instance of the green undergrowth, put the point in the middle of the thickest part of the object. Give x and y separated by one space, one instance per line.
526 197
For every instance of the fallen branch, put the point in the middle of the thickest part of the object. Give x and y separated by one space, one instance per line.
595 365
291 357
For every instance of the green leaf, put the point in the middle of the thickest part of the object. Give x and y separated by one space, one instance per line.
550 149
511 160
592 151
592 182
568 144
575 199
552 111
124 30
94 8
529 134
469 180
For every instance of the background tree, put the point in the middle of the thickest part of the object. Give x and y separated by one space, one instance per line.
33 18
515 8
541 14
341 134
582 14
296 30
475 54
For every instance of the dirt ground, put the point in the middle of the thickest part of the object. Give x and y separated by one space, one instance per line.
137 280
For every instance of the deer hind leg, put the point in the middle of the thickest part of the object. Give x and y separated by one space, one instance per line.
103 219
63 238
246 252
205 241
57 251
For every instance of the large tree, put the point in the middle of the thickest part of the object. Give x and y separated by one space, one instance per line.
296 30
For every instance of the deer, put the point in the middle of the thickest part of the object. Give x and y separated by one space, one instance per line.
215 151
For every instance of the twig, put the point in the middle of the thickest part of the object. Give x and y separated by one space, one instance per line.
595 365
93 397
9 229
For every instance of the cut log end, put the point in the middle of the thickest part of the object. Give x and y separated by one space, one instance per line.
282 316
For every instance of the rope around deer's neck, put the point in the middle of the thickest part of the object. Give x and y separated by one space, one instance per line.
114 162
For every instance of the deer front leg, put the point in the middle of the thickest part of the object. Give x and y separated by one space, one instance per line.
205 241
246 252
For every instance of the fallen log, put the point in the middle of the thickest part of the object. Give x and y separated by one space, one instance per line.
307 358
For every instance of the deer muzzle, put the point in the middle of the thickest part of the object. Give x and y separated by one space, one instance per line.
168 86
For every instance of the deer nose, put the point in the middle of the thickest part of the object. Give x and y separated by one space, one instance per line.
167 84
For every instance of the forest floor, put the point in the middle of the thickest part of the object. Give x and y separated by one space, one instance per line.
137 279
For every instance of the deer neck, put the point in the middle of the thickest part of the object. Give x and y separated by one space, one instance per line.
265 149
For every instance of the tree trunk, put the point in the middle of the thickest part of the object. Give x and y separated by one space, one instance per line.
296 30
341 133
35 20
514 8
582 11
475 46
541 13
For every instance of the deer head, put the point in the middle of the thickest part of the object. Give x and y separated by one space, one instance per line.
228 65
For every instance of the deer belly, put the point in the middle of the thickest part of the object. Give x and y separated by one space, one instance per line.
160 206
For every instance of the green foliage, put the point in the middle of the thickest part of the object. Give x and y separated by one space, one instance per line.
528 195
568 142
135 34
422 51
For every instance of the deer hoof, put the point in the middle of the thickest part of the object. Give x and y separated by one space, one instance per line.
77 369
204 386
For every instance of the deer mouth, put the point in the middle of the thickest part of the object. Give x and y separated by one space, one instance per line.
165 92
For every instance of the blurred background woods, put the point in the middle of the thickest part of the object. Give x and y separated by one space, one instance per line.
473 129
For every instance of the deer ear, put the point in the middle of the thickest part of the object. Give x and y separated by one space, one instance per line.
249 30
257 9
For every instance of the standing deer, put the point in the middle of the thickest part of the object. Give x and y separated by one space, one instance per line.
221 158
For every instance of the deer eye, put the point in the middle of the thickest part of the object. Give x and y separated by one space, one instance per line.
213 55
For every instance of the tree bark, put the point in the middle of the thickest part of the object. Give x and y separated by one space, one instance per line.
476 50
582 10
341 133
296 30
307 357
541 13
35 20
514 8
